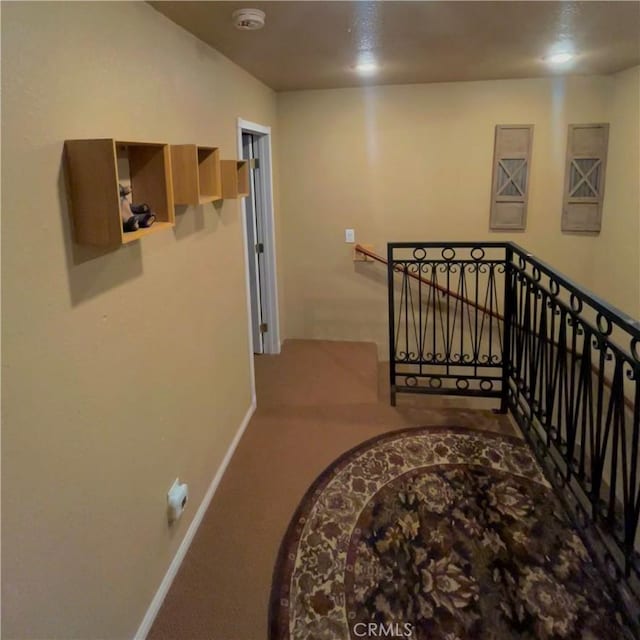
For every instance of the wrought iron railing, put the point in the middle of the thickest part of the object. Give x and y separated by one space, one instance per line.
445 310
490 320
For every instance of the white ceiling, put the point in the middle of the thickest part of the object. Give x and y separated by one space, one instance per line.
314 45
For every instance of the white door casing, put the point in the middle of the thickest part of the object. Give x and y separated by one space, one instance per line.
254 236
267 263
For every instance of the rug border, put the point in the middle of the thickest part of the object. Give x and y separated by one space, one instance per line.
278 569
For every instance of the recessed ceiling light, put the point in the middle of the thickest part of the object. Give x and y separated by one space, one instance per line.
559 58
366 68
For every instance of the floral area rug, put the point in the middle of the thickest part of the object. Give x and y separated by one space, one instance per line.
438 534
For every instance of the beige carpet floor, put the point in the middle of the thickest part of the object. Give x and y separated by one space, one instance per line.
316 400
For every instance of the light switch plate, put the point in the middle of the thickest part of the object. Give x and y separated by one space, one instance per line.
349 236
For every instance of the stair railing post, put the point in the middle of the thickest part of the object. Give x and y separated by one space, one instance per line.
392 333
509 292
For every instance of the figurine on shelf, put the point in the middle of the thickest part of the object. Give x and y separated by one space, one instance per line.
129 222
143 214
134 216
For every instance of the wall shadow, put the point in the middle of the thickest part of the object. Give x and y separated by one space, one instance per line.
92 271
374 271
228 214
189 220
583 234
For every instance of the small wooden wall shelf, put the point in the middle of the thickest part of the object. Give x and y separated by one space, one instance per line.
196 174
235 178
96 167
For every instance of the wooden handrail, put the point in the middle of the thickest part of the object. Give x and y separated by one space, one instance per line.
374 256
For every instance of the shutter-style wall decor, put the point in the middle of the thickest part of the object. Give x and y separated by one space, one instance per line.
584 177
510 184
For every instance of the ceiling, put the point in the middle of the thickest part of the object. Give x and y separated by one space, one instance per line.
314 45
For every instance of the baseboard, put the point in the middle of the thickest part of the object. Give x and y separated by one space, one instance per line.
163 589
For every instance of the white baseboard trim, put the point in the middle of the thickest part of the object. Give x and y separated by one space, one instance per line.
163 589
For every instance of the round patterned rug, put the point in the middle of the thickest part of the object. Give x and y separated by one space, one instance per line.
438 534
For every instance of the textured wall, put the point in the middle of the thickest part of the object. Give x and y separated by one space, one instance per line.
617 256
120 371
414 163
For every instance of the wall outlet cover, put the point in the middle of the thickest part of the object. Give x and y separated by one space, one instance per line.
177 500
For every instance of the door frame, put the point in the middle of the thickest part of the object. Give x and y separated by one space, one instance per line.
271 339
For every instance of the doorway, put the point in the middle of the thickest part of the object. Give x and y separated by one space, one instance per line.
254 145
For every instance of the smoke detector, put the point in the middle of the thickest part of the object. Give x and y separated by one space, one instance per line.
248 19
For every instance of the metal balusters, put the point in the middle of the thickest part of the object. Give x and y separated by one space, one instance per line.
490 320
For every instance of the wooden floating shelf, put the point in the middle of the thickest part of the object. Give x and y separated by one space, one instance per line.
141 233
95 169
196 172
235 178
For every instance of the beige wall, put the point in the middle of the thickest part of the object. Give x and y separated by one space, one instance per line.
414 163
124 371
617 257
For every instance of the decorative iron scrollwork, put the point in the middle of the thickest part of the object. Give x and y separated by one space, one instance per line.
491 320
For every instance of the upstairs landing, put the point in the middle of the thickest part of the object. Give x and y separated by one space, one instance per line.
316 400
